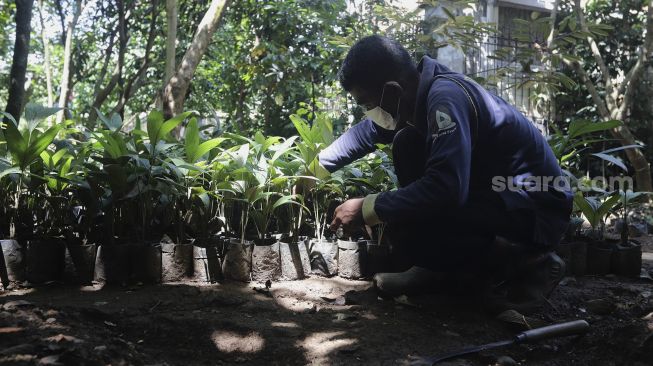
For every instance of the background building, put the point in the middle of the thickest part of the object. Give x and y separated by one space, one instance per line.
480 64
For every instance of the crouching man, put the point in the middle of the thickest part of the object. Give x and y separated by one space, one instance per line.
480 194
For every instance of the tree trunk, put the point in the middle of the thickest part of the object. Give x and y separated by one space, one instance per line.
136 79
97 87
549 43
62 19
171 40
116 77
67 60
176 89
123 39
636 157
46 54
609 107
19 62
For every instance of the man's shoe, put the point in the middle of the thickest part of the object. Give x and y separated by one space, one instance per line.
553 271
529 288
414 281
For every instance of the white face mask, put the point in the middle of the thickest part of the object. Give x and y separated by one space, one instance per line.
382 118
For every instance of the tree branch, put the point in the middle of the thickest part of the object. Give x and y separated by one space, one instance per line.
105 63
594 93
554 31
62 20
177 87
104 93
136 80
628 86
605 73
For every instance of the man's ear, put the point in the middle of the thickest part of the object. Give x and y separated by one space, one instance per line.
391 97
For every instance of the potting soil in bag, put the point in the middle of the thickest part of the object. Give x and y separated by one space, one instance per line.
266 262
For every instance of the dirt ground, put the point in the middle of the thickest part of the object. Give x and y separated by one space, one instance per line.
319 321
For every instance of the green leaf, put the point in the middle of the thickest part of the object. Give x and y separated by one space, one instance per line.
207 146
35 114
47 158
154 122
608 205
582 127
585 206
192 140
317 170
572 24
284 200
16 143
620 148
113 143
114 123
240 157
259 138
161 130
283 148
58 155
449 13
612 159
9 116
37 146
302 127
13 170
204 198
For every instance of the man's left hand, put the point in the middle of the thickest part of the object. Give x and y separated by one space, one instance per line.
349 215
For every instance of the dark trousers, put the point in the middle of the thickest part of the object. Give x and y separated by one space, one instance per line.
460 240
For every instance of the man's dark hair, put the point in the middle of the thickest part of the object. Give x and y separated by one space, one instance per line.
373 61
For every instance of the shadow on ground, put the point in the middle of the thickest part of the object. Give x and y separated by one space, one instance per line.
316 321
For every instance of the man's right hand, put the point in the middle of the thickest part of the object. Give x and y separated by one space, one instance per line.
349 215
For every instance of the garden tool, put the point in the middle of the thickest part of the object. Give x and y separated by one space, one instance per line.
575 327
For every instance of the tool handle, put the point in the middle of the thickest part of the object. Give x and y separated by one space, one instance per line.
552 331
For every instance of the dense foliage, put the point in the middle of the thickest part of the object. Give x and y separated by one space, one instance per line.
267 101
108 185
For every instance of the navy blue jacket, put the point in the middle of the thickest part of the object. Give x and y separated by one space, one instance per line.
465 153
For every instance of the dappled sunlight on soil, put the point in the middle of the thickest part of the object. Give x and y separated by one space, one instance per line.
318 321
320 345
227 341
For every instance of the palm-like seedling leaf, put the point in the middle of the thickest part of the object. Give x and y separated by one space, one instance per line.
36 113
612 159
114 123
193 148
579 128
27 146
282 149
114 144
158 129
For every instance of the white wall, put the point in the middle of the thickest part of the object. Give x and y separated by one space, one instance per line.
529 4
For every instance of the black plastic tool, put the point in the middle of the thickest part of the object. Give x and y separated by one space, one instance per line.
533 335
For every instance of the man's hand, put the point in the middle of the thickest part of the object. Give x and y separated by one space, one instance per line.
349 215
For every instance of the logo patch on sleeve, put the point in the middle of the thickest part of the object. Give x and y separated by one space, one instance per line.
441 122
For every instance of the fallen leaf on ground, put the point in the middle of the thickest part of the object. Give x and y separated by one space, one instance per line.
10 305
340 300
8 330
64 338
50 360
523 322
